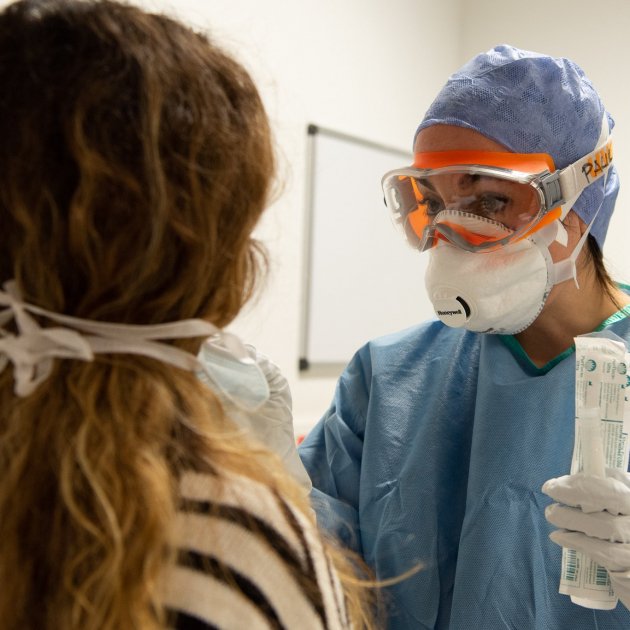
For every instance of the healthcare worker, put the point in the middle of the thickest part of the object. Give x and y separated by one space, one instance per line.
440 438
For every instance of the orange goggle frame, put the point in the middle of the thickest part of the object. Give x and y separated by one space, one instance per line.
523 168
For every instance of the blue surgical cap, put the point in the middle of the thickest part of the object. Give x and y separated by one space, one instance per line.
532 103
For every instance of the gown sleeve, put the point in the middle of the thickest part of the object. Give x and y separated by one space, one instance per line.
332 455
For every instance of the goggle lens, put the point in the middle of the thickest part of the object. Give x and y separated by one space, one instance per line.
424 202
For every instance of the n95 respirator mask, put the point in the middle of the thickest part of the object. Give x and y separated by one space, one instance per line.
502 291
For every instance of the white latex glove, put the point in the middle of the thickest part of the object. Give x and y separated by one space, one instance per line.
595 519
271 424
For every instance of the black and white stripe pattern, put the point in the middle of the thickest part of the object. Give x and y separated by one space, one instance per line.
248 559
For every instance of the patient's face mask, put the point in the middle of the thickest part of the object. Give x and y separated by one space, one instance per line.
487 219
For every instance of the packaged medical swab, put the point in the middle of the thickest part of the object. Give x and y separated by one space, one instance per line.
602 424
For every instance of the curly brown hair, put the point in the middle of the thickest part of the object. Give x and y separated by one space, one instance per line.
135 161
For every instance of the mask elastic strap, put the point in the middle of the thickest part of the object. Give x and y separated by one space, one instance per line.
562 236
33 349
567 269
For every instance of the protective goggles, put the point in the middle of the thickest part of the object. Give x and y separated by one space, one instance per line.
482 200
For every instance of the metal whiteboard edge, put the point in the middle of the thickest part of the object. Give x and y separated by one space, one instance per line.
340 135
307 261
323 370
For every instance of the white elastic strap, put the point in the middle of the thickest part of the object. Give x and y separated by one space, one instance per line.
33 349
562 236
566 269
574 179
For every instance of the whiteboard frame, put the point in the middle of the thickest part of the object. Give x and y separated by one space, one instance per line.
305 366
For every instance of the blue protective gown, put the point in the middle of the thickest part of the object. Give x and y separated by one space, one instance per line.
434 451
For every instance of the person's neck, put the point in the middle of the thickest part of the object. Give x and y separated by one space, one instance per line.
569 312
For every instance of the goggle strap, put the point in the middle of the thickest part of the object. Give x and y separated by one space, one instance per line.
576 177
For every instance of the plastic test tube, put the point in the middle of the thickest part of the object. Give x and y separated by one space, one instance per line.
589 426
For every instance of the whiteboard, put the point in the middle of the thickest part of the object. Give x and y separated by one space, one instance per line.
361 279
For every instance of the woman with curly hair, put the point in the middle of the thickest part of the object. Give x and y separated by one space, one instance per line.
135 161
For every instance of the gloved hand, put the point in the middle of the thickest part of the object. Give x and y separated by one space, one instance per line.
272 422
595 519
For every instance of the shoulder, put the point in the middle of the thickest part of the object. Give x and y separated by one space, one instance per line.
423 337
397 352
619 323
248 558
240 500
397 365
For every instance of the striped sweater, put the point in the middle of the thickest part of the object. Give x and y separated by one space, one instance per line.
248 560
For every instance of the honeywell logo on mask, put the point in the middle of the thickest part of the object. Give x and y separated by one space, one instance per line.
445 313
598 163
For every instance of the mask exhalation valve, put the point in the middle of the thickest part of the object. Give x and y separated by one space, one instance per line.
451 308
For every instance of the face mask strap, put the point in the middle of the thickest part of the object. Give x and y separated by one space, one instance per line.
561 235
567 269
34 347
